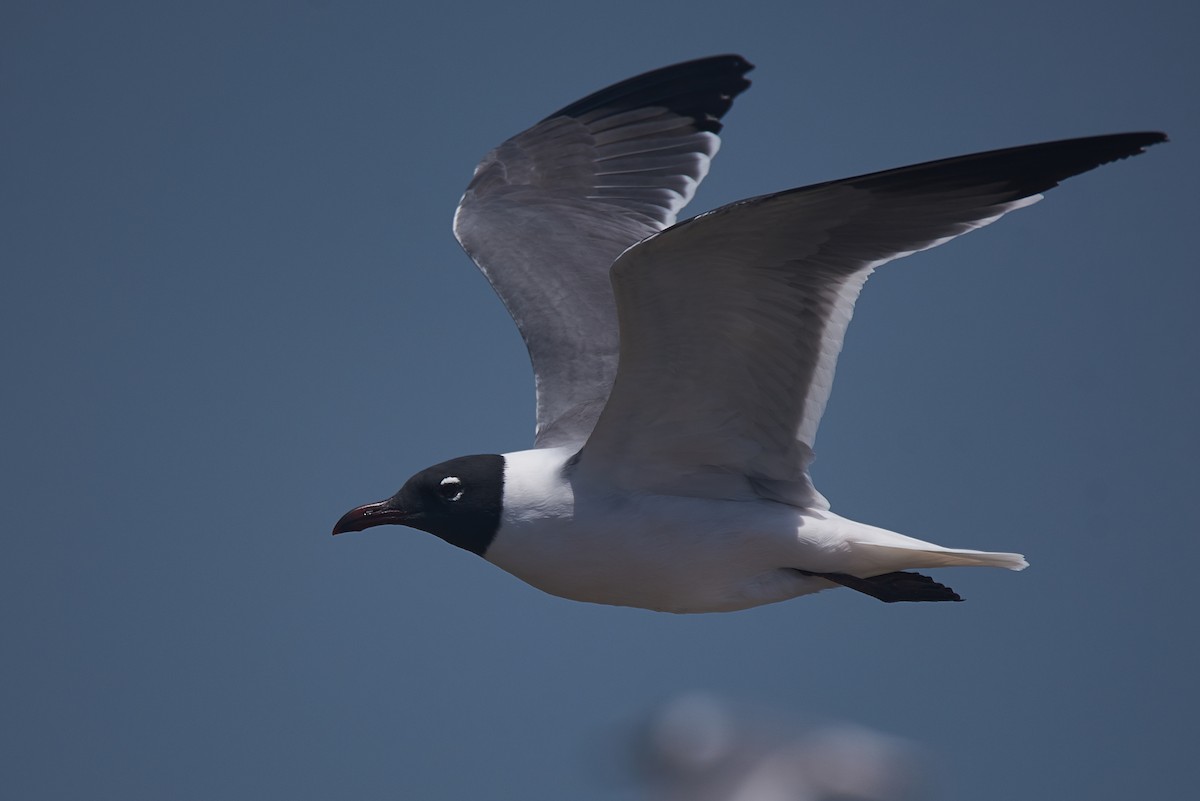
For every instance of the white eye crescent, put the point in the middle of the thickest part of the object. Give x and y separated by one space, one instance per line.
450 488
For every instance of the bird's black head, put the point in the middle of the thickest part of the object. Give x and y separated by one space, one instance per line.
459 501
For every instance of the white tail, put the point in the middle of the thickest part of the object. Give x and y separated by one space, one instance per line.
926 554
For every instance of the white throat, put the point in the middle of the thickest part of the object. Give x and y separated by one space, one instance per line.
535 488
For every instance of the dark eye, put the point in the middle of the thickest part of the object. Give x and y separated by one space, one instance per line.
450 488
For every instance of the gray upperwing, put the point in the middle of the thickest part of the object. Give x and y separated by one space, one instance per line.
731 323
550 210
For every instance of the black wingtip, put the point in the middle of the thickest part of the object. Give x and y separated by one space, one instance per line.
702 89
893 587
908 586
1113 147
1022 171
1147 138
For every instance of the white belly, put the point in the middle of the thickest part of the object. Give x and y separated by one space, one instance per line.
682 554
667 553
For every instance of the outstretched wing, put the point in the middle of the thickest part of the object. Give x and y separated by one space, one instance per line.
549 211
731 323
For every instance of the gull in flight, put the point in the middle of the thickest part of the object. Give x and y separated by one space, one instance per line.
682 367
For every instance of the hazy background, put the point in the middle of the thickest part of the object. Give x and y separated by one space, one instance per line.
233 308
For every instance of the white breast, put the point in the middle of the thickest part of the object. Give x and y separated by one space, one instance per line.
650 551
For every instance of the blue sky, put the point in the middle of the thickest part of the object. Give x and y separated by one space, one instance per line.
234 309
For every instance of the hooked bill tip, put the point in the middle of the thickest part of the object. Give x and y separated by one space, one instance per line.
366 516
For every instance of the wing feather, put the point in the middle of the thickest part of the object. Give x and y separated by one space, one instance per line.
549 211
731 323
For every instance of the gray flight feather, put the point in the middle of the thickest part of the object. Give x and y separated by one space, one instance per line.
551 209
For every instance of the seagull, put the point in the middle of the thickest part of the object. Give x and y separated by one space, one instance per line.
682 368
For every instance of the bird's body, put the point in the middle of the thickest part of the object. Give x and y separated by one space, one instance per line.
675 553
682 368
